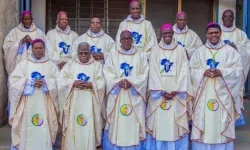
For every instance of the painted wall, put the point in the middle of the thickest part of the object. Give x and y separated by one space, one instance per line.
9 16
224 5
38 9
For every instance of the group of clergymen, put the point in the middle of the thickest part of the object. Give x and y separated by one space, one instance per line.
132 94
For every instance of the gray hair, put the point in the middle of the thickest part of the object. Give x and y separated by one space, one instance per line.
83 44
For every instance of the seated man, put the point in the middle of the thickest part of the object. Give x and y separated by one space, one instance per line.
216 72
126 73
34 103
81 85
60 40
170 92
100 42
17 44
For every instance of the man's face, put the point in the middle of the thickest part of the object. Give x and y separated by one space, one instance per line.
181 21
126 40
62 21
167 35
95 25
27 20
135 10
84 54
228 19
38 50
213 35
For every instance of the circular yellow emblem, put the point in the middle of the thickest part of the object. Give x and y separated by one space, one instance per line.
37 120
213 105
126 110
166 105
81 120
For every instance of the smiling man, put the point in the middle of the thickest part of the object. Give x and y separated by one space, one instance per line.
216 72
170 92
236 38
144 37
185 36
34 103
60 40
126 73
81 85
17 44
100 42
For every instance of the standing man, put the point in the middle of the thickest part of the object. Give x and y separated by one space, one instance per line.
34 103
100 42
81 85
236 38
126 73
143 33
60 40
170 91
17 44
185 36
216 72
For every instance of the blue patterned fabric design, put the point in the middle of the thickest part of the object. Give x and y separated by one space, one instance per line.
167 65
117 88
21 48
181 44
126 69
136 37
201 146
153 144
64 47
94 49
82 76
109 146
240 121
212 63
156 94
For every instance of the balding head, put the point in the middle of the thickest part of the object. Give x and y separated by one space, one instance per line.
126 39
83 44
83 52
181 20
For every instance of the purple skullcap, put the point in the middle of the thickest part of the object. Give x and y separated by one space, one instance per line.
37 40
25 12
212 23
166 26
62 12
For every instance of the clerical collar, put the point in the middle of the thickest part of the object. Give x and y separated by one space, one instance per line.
37 60
95 34
27 29
214 46
129 18
130 51
170 46
227 29
65 31
179 30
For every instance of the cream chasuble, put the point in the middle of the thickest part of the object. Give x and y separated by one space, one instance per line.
34 118
60 44
82 111
101 43
217 101
239 38
143 34
188 39
167 120
126 108
13 42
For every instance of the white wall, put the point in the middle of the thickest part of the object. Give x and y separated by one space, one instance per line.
224 5
38 9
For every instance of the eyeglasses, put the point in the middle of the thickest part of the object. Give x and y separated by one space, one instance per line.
126 39
92 22
85 53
